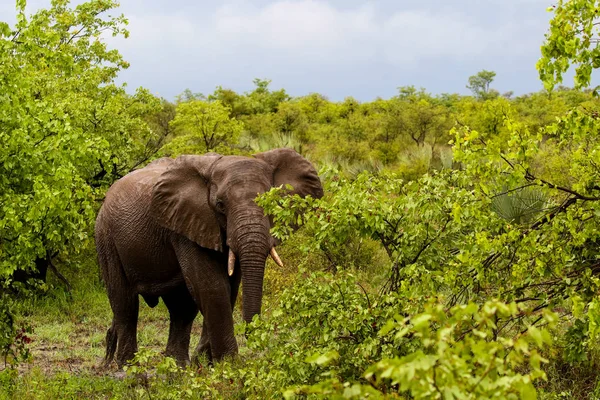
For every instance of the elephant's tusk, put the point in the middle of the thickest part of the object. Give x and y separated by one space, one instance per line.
276 257
231 263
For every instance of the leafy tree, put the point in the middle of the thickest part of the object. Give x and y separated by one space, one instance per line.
188 95
62 117
423 120
552 260
386 129
161 129
66 129
203 127
414 221
448 235
236 103
348 138
485 116
348 107
317 108
480 83
257 127
407 92
291 120
572 40
125 120
454 361
262 99
427 228
540 109
390 117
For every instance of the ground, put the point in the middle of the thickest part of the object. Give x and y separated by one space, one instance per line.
69 330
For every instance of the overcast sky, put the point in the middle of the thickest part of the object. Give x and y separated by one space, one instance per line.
339 48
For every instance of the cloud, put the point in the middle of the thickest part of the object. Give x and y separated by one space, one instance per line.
308 27
292 24
309 32
418 34
337 47
326 43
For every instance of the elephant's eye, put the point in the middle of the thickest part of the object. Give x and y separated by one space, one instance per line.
220 206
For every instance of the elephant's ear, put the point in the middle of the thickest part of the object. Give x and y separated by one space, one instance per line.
289 167
180 200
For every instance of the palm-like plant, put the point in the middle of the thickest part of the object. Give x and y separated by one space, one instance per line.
520 206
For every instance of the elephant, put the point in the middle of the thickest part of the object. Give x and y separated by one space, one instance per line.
188 230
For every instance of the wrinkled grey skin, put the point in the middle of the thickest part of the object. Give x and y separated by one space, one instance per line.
166 230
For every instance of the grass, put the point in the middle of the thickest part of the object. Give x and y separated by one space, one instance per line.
69 329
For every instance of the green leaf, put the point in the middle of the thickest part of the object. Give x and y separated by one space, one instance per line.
528 392
323 359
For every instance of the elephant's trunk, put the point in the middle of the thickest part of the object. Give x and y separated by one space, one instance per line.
251 245
252 287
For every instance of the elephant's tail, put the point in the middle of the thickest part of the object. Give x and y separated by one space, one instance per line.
111 344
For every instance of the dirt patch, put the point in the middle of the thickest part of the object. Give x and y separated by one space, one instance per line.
81 352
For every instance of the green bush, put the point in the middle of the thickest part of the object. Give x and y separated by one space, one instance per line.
460 355
325 326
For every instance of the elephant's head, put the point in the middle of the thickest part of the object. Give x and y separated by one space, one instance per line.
210 200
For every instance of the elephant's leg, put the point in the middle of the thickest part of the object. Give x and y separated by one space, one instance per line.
205 274
183 311
125 306
203 348
124 302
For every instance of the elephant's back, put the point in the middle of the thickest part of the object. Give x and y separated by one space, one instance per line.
131 194
126 225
